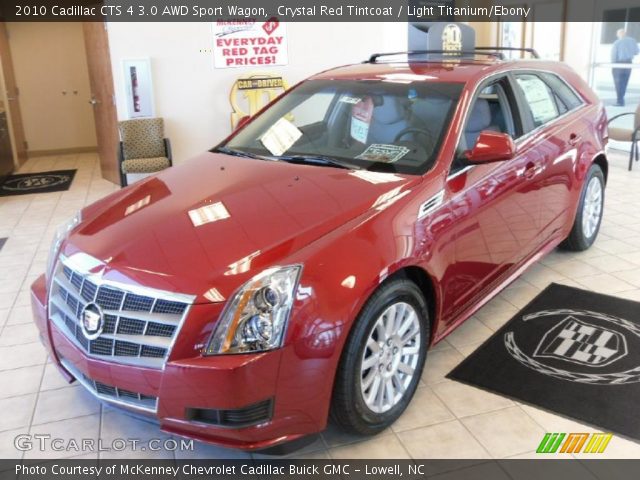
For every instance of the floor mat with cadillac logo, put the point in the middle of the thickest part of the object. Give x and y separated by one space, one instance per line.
42 182
570 351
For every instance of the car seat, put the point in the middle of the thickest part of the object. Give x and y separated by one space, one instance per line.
479 120
390 117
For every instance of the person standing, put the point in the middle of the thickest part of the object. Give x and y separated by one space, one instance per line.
623 51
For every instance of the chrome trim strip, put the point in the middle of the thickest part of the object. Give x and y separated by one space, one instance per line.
116 401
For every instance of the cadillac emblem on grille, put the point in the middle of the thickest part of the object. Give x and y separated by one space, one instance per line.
92 322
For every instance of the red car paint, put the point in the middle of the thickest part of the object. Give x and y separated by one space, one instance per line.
495 219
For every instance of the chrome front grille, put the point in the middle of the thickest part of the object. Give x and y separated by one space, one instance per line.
113 394
139 324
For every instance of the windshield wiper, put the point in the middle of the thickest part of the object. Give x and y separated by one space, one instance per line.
237 153
316 160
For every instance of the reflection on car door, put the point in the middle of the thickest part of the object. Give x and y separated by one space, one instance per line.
496 207
557 143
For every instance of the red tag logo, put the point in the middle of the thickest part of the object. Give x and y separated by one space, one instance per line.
270 25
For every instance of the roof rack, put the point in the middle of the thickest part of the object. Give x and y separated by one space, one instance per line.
532 51
495 52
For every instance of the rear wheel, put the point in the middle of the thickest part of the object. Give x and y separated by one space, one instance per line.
589 215
382 360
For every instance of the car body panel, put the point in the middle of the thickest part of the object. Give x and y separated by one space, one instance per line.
468 233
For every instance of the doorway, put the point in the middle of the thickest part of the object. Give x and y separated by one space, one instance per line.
63 94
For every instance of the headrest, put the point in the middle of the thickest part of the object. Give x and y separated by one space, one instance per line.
391 111
480 118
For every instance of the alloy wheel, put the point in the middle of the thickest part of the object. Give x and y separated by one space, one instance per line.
592 209
390 357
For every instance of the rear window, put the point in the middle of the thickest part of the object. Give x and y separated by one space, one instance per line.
563 91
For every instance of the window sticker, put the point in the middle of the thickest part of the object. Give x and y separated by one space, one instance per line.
280 137
540 102
351 100
379 152
361 119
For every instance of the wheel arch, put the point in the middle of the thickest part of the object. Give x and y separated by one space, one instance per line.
426 284
602 161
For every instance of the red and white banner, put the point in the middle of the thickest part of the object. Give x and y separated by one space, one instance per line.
249 43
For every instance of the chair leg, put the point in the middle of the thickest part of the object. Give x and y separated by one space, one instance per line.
123 179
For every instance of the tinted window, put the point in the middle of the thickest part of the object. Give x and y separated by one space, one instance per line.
540 100
563 91
395 125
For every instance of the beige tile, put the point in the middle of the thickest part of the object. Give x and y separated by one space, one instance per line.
8 441
54 405
468 349
17 411
464 400
471 331
605 283
53 379
505 432
20 381
22 356
610 264
425 409
520 296
378 447
444 440
71 431
19 334
439 364
20 315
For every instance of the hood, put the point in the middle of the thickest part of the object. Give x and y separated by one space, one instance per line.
213 222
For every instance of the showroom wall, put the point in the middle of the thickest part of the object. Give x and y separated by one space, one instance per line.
193 96
49 58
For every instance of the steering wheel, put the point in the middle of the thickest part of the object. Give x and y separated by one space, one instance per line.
418 150
406 131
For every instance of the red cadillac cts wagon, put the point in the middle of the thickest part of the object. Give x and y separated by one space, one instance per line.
302 268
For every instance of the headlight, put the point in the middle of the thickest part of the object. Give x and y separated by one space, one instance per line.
61 234
255 318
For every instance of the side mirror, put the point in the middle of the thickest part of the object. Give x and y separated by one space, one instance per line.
492 147
242 122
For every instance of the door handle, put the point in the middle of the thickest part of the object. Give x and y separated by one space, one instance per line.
94 102
529 170
574 139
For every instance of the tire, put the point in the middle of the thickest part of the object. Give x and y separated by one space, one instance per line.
589 215
356 409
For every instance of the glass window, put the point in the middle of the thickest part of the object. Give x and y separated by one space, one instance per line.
391 125
539 99
563 91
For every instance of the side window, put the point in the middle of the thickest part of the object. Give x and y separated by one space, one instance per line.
563 91
539 98
492 110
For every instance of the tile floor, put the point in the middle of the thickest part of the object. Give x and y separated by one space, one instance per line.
445 420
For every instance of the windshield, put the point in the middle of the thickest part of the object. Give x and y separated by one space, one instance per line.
372 125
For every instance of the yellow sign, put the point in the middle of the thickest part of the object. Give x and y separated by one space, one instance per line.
452 38
256 89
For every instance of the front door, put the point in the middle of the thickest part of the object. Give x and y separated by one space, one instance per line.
495 206
102 98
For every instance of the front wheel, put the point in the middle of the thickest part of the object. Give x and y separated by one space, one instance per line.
589 215
382 360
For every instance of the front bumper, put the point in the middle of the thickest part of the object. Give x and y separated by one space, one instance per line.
297 389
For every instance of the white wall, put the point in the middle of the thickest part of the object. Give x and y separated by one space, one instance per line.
49 58
193 97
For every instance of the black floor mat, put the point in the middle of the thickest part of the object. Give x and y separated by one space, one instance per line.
42 182
569 351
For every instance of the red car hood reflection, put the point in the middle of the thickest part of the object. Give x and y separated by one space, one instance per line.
206 226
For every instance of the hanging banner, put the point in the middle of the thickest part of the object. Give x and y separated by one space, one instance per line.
250 43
